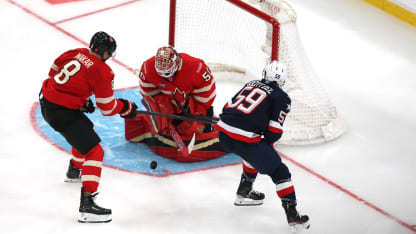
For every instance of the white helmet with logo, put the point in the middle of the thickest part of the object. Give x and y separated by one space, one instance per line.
275 72
167 61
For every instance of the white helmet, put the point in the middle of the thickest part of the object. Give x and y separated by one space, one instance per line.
275 72
167 61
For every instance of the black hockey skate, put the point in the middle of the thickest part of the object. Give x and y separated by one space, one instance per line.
73 175
246 196
296 221
91 212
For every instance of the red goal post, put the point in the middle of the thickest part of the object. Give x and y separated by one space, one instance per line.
241 36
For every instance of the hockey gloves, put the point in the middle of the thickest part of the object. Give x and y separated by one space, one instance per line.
88 107
129 109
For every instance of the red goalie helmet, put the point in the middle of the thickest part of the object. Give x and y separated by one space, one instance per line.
167 61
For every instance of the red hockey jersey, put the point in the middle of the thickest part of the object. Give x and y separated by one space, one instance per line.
193 80
75 76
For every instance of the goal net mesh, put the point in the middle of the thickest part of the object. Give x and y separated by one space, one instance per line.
231 39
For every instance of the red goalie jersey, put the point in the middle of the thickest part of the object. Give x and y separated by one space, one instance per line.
193 82
175 83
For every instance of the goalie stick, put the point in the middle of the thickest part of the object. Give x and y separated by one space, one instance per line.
185 150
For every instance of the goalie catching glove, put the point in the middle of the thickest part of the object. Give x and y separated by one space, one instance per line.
129 109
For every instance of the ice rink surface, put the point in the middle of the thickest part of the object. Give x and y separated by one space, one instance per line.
363 182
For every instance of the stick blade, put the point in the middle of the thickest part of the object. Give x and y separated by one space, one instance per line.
179 142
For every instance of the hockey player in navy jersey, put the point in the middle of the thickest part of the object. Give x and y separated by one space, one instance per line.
251 122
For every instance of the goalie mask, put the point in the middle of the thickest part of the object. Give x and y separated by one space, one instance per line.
101 42
167 61
275 72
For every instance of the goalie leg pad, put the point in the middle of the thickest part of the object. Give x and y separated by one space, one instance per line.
206 147
188 128
160 104
138 129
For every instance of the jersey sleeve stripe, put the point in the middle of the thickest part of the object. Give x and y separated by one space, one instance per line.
147 85
151 93
167 92
204 100
104 100
275 127
108 112
203 89
237 133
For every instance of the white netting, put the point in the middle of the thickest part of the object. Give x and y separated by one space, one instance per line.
231 39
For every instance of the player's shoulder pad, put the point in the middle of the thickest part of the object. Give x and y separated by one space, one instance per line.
280 94
148 67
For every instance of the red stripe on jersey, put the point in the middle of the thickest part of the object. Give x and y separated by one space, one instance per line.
275 130
238 136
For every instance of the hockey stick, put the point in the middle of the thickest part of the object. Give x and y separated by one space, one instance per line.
195 118
186 151
191 144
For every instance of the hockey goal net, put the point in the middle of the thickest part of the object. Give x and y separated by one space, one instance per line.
239 36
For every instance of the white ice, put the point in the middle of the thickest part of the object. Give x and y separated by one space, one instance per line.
363 182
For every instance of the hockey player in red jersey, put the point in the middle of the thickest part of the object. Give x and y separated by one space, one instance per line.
65 96
175 83
251 122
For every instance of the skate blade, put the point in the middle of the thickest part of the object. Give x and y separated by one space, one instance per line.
242 201
299 227
69 180
93 218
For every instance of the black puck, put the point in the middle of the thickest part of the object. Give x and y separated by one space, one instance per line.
153 165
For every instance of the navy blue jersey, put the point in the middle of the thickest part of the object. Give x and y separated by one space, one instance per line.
258 109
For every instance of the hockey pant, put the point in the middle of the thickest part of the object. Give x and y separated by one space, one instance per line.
78 131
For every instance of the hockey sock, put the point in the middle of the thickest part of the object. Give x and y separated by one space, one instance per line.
77 158
91 169
249 172
286 191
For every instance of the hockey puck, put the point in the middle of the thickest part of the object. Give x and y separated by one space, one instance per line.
153 165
